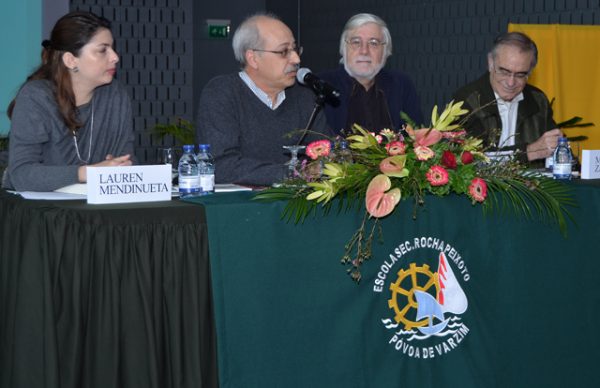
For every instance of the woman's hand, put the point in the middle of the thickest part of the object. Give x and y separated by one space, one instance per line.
110 161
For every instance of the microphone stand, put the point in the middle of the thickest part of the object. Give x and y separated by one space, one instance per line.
319 101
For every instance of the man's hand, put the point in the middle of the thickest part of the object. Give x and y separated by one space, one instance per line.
544 146
110 160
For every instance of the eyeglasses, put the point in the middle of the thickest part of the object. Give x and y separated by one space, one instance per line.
505 74
357 43
284 53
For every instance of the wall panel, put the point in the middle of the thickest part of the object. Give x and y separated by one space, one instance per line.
152 37
441 44
166 57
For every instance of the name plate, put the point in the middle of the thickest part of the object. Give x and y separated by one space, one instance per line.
129 184
590 164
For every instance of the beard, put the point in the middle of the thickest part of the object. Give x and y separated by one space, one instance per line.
368 73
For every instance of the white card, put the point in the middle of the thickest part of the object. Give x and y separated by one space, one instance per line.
590 164
129 184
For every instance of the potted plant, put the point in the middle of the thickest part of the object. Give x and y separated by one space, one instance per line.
181 130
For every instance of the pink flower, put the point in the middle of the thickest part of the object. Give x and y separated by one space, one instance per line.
424 153
394 166
437 175
466 157
427 136
454 134
449 160
388 133
378 202
379 138
395 148
318 148
478 189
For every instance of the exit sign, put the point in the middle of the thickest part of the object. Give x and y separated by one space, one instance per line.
218 28
218 31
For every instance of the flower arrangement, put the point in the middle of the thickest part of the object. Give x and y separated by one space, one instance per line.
436 160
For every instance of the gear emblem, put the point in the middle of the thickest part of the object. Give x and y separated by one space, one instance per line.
403 289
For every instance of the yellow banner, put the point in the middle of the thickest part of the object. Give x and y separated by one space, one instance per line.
568 70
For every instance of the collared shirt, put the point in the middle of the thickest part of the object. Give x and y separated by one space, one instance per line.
508 114
258 92
368 108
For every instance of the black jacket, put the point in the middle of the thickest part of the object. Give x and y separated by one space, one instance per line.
397 87
534 116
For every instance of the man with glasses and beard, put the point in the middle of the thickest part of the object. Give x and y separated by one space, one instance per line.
246 116
371 96
507 113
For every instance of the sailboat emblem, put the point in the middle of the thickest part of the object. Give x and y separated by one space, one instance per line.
426 300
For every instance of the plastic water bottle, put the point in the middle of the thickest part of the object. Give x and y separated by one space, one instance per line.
189 180
206 168
333 151
561 166
344 155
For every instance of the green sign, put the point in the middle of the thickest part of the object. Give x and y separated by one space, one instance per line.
218 31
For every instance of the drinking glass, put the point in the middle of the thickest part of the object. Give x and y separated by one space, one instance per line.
291 168
169 155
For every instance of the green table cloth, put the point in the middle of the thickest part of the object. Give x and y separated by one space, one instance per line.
521 303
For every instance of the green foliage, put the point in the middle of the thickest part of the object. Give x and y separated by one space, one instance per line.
574 122
411 164
532 197
181 130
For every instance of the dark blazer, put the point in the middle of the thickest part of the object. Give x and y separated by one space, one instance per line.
398 89
534 116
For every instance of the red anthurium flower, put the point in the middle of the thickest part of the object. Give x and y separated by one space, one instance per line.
380 203
466 157
449 160
437 176
478 189
318 148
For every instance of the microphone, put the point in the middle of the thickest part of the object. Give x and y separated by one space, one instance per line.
322 88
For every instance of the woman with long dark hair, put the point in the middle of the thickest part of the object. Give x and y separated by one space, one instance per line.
70 113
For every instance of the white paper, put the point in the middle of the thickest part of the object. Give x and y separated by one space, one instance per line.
51 195
500 156
77 188
228 187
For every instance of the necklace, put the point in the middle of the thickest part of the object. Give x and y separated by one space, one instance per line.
91 135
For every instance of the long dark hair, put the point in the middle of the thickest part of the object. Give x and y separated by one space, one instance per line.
70 33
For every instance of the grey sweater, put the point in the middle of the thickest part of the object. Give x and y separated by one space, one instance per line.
42 154
246 136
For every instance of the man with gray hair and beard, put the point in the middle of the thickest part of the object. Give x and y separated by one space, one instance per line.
246 116
371 96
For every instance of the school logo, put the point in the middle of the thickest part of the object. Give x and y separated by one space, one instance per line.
426 302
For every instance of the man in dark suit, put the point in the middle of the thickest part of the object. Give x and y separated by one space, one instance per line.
506 112
371 95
